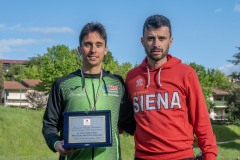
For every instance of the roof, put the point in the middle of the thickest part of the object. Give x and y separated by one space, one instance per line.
8 61
31 82
218 91
13 85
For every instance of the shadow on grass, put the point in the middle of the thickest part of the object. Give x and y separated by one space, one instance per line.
231 145
224 134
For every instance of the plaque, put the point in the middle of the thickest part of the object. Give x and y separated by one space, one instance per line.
87 129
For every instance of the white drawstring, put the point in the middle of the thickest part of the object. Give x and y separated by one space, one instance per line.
159 80
148 83
159 77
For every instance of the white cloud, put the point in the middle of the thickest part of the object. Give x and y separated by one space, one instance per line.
7 45
229 69
2 26
15 27
49 30
5 27
218 10
45 30
237 7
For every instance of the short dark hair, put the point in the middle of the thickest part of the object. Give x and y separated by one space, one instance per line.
93 27
157 21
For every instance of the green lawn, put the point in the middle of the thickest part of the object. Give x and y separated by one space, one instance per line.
228 151
21 138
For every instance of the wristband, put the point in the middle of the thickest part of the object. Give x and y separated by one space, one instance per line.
55 145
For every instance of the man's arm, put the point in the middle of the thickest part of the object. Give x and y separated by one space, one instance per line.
52 119
126 119
199 118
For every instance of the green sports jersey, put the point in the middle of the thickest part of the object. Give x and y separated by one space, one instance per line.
76 92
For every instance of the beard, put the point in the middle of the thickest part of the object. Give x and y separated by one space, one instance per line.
156 57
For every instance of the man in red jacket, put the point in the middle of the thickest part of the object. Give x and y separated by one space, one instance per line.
168 103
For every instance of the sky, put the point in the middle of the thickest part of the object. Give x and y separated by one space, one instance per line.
205 32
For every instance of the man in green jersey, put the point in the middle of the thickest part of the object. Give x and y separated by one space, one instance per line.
88 89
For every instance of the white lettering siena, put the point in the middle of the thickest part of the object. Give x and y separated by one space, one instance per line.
162 101
149 102
175 100
141 104
135 104
155 102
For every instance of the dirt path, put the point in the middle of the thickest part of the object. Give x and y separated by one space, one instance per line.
229 141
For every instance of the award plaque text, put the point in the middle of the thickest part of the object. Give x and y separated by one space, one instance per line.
87 129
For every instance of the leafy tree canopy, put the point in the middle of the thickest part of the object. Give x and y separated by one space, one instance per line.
211 78
57 62
109 64
236 56
234 103
124 68
1 77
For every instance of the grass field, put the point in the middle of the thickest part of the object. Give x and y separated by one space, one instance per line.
21 138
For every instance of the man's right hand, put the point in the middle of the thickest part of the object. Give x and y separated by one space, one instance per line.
62 151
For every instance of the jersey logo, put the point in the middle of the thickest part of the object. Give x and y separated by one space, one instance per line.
110 89
139 82
74 88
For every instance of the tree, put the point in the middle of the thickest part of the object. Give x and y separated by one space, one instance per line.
236 61
211 78
31 72
34 61
124 68
57 62
234 103
235 76
109 64
234 98
204 80
32 67
1 80
15 71
36 99
219 80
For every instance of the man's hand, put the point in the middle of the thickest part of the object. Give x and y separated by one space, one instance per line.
62 151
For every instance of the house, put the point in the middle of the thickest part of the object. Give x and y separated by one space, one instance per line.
30 83
14 93
7 62
7 65
219 104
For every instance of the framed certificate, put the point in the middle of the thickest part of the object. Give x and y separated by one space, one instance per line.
87 129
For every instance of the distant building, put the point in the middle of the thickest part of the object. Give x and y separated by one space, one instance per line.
218 99
13 93
7 62
30 83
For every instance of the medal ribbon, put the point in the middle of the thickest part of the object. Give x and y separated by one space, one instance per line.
97 95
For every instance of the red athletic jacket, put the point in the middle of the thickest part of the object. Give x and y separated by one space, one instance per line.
169 108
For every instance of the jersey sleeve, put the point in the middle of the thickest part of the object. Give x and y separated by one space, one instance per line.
52 118
126 119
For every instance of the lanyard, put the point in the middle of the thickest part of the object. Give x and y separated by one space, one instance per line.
92 108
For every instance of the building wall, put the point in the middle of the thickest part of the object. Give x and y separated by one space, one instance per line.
17 95
219 107
15 98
